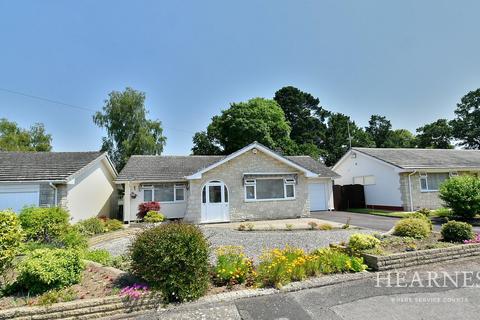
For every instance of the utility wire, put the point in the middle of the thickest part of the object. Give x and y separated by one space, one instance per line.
60 103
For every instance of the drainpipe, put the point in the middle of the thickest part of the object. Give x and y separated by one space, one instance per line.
410 188
56 192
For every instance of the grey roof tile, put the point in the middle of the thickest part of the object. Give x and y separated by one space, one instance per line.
34 166
425 158
164 168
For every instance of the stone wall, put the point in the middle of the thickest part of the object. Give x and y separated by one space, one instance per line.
421 199
415 258
231 173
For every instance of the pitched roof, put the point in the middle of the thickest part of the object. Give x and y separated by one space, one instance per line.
425 158
35 166
165 168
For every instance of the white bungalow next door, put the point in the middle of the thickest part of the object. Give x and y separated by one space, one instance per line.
215 202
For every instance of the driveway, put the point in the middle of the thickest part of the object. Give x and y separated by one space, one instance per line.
364 220
358 300
357 219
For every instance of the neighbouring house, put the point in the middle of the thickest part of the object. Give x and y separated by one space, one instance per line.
404 179
81 182
250 184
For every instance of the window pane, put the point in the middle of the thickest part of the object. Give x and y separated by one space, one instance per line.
290 191
163 193
225 191
147 195
435 180
215 194
180 194
250 190
270 189
423 183
204 195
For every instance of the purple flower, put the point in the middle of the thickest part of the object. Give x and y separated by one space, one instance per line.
134 291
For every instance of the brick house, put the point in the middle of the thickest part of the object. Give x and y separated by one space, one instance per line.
404 179
250 184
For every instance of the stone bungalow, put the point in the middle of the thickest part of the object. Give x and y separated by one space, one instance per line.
252 183
404 179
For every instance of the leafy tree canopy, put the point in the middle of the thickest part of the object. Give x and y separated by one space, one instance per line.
257 119
379 128
14 138
466 125
129 131
400 138
305 115
435 135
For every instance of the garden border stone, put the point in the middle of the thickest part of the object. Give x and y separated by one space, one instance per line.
415 258
104 237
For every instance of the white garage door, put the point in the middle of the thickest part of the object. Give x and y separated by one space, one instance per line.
317 196
15 197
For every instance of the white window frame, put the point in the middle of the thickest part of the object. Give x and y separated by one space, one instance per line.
253 182
424 175
175 187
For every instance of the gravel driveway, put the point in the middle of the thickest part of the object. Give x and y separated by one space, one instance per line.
255 241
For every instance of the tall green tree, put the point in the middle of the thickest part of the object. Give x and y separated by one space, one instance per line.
257 119
435 135
305 115
338 140
379 128
129 132
14 138
466 125
400 138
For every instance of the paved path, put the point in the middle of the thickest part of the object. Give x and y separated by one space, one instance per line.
363 220
357 219
359 300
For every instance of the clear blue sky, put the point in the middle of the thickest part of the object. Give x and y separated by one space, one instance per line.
408 60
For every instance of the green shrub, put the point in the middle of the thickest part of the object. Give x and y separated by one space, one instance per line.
422 216
333 261
172 258
250 226
101 256
153 217
11 237
424 211
56 296
241 227
325 226
113 225
232 266
71 238
360 242
462 195
455 231
443 212
46 269
288 226
43 224
91 226
412 227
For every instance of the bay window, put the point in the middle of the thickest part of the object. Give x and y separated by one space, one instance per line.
167 192
269 189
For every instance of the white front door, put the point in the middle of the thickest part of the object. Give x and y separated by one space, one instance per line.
317 196
215 202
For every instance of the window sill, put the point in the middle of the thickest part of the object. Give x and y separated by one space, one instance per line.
269 200
428 191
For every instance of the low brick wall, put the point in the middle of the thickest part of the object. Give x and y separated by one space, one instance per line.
87 309
415 258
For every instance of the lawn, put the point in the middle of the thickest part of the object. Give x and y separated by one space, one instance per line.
376 212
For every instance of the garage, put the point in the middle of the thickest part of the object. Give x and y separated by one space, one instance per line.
317 193
16 196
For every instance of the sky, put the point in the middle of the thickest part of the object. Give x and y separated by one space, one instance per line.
411 61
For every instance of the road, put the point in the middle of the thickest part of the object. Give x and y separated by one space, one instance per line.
361 299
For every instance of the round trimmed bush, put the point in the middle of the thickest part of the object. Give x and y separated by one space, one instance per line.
360 242
113 225
43 224
11 236
462 195
422 216
456 231
91 226
412 227
153 217
172 258
45 269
